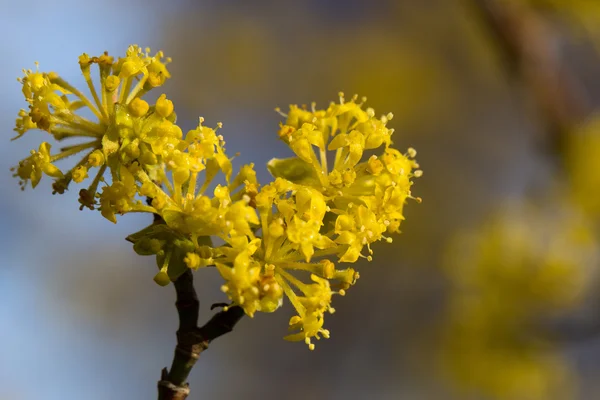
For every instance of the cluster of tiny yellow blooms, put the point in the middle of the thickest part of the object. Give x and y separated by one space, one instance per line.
511 275
310 214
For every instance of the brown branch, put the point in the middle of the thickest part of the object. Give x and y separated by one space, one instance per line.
529 47
192 340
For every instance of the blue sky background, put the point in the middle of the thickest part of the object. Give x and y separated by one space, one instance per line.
49 350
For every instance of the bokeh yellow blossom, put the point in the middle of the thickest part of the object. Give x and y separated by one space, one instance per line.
525 266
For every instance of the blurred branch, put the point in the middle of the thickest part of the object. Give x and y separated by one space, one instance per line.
192 340
570 331
529 46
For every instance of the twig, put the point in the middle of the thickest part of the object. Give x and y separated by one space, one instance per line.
192 340
529 48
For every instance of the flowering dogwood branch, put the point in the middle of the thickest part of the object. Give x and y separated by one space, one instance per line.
278 239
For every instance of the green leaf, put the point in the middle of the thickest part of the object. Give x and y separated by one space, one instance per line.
177 266
183 245
178 250
205 241
154 231
295 170
171 248
147 246
174 218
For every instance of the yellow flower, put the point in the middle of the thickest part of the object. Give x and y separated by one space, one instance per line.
119 197
306 234
357 229
310 307
80 173
40 162
243 279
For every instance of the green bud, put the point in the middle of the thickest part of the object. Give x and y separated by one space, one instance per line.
162 278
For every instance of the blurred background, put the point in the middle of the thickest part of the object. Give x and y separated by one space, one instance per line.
492 290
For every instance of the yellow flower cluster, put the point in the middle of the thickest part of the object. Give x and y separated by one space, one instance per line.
524 267
120 134
367 197
271 233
